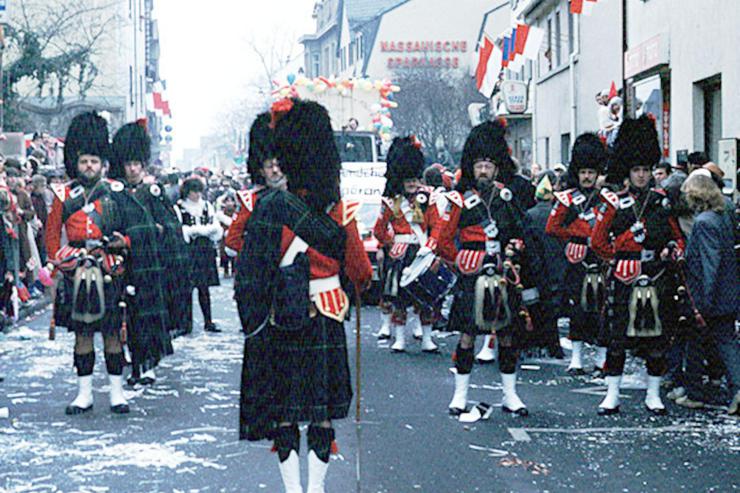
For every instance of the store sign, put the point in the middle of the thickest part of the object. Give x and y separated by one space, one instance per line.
515 96
666 129
647 55
427 54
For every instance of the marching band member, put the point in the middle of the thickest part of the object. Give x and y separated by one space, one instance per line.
572 220
638 234
492 261
407 206
151 307
301 241
88 210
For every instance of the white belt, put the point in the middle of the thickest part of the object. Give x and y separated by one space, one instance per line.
296 246
410 239
316 286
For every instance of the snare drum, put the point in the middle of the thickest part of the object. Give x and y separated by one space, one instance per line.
425 284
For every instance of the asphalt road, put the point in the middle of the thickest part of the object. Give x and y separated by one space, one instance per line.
181 435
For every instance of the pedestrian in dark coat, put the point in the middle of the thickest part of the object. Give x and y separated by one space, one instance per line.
549 249
713 283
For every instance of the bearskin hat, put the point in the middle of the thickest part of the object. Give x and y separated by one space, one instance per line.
130 143
260 147
87 134
403 161
636 145
486 141
304 145
588 153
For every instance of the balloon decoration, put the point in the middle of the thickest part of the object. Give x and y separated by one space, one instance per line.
382 122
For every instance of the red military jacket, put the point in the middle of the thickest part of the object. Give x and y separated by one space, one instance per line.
325 287
628 224
235 234
398 212
582 210
462 224
81 224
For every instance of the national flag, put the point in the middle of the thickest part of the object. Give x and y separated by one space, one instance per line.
612 91
493 70
521 38
576 6
532 43
157 101
588 6
505 49
484 54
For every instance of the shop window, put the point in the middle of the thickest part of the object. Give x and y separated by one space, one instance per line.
315 65
565 148
712 90
648 99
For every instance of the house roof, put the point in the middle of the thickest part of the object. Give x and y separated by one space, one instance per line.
359 11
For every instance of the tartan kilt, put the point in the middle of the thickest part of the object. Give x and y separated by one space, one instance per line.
110 323
203 266
294 377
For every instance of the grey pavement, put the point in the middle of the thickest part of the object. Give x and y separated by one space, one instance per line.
181 435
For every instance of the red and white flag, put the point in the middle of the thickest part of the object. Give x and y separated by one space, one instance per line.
489 67
584 7
157 101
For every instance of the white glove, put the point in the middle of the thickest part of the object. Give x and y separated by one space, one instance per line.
424 251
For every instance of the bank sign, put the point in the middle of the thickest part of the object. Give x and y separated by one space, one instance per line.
515 96
423 54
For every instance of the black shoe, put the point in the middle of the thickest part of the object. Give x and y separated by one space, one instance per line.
132 381
576 372
211 327
146 381
120 409
522 411
606 411
454 411
657 412
73 410
598 372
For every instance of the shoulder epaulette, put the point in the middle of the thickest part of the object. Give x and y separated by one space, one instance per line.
456 198
564 197
349 210
610 198
387 202
659 191
60 191
116 185
247 199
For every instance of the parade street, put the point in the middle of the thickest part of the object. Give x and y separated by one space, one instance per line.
181 434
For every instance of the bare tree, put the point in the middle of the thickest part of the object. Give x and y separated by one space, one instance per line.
50 50
433 104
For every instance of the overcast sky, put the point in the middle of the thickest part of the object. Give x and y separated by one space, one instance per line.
205 56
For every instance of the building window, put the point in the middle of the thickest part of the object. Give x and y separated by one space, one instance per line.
352 53
571 34
548 53
712 116
315 65
557 39
565 148
360 47
131 85
547 152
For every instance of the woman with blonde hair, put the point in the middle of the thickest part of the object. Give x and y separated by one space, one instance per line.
712 280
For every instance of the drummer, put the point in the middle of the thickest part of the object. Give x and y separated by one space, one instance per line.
408 207
493 290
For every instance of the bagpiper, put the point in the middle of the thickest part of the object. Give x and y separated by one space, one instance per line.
572 219
638 234
87 211
293 304
153 304
410 210
485 236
